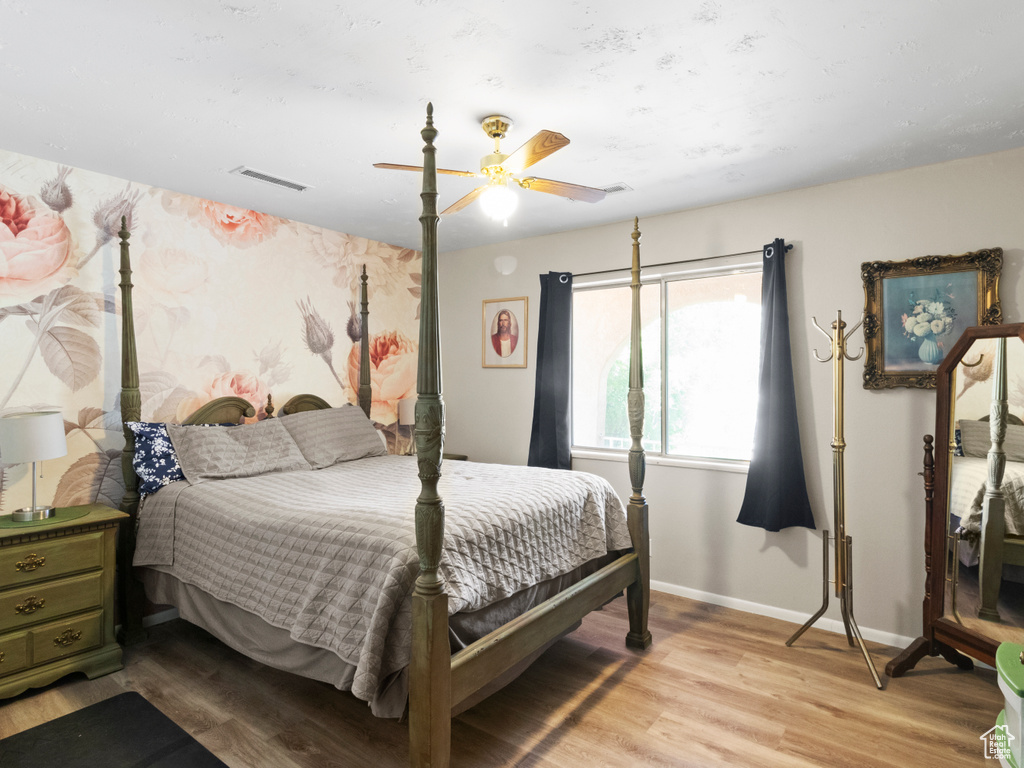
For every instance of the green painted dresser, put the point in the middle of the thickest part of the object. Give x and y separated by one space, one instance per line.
57 597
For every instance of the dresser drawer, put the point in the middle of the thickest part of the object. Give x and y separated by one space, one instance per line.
64 638
33 603
13 653
50 558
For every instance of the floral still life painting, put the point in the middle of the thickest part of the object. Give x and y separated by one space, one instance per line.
928 323
916 310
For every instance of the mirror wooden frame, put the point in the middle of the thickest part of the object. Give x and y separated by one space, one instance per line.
940 635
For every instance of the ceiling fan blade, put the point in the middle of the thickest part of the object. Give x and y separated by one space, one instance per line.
394 167
537 148
463 201
564 189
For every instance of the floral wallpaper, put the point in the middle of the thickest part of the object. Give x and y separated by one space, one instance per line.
227 302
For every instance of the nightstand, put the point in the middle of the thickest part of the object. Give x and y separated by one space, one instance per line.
57 598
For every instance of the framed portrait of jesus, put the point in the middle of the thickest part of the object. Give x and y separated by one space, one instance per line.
505 332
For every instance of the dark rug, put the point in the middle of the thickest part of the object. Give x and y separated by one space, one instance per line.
125 731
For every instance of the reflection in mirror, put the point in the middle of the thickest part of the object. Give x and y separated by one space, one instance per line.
985 563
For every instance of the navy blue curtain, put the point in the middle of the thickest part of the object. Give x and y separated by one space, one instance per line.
776 493
550 440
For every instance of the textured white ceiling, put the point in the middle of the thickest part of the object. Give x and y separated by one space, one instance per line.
689 103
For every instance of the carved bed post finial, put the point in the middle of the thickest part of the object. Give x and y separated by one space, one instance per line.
131 400
269 408
638 594
365 393
637 460
131 410
429 403
430 666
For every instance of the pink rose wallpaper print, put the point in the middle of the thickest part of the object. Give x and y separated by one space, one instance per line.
227 302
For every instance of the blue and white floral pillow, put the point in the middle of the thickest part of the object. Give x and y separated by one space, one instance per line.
155 461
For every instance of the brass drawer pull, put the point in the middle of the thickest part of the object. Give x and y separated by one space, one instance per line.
31 605
67 637
2 656
30 563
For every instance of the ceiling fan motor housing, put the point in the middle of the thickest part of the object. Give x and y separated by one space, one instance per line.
491 164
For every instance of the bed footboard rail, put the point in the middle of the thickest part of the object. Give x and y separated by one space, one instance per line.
494 654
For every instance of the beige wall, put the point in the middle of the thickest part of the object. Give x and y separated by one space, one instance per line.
698 548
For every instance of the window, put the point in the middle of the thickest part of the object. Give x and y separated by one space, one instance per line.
701 341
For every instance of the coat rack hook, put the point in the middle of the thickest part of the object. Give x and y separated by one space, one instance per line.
827 335
848 335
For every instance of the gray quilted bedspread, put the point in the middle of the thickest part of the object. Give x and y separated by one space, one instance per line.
330 555
970 478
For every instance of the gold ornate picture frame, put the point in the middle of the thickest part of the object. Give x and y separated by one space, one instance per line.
915 310
505 332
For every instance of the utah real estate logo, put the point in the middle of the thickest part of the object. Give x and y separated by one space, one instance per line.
997 742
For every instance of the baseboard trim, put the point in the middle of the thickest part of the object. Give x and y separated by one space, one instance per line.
795 617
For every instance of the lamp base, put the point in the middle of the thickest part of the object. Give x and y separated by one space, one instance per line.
32 513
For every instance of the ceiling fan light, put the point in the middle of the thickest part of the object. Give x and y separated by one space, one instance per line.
498 202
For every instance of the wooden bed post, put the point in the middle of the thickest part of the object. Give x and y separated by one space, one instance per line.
638 594
993 509
365 392
131 597
430 666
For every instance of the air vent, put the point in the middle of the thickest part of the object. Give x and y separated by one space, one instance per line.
268 179
622 186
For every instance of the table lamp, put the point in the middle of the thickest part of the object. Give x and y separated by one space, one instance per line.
34 436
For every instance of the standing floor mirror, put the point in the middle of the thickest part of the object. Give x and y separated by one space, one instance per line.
974 503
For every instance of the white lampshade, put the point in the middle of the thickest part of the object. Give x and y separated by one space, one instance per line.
498 202
34 436
407 411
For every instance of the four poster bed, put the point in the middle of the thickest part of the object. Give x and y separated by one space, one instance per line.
337 577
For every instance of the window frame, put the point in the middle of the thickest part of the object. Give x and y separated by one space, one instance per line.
691 270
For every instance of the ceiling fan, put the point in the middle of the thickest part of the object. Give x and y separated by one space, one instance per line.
501 171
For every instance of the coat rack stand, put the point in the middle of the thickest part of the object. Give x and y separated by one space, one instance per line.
843 544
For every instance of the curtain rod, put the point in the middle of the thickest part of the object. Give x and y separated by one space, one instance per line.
673 263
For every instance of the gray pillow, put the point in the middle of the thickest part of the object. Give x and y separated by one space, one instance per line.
217 453
336 434
976 438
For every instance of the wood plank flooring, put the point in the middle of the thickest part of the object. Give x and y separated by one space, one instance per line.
718 688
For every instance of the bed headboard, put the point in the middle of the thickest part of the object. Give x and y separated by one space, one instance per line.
307 402
222 410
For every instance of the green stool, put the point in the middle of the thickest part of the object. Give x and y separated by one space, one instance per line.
1010 664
